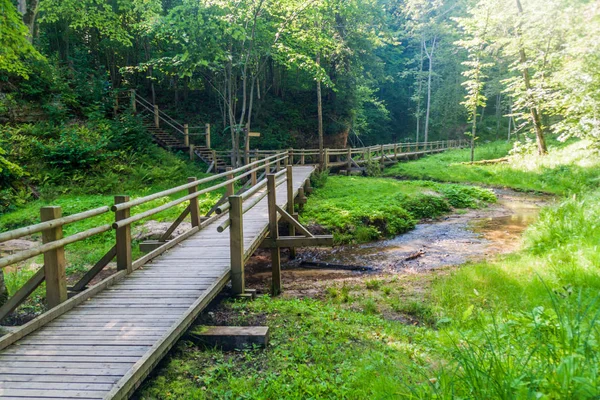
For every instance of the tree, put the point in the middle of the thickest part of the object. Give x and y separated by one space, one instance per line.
15 49
475 30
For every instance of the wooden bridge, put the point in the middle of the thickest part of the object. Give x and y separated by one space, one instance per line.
102 341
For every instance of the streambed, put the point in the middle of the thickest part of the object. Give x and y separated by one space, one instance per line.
467 235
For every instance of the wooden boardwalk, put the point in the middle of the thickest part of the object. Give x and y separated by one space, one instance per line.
105 347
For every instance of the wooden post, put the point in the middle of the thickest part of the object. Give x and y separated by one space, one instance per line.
348 161
267 168
302 157
191 149
133 103
236 247
290 156
156 117
301 196
278 165
274 235
123 236
253 178
247 145
194 208
207 129
326 160
381 159
186 135
230 189
290 203
395 151
54 260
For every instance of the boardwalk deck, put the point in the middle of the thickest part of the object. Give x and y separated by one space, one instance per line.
104 347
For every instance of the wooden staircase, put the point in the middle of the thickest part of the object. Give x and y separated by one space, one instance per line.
164 138
208 157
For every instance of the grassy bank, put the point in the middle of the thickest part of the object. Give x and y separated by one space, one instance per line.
519 326
569 169
359 209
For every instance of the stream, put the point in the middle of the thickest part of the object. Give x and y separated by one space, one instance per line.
467 235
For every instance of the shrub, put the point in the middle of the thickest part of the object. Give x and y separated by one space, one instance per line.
426 205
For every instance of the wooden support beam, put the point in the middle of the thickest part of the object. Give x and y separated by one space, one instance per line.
133 103
123 237
22 294
274 234
194 208
156 117
95 270
186 135
348 161
298 241
236 247
54 260
292 221
165 236
302 157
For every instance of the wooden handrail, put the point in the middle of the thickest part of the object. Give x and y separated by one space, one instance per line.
29 230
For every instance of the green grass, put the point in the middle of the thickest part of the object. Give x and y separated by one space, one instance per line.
571 168
358 209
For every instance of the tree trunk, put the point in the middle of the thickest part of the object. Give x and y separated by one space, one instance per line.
320 116
419 91
430 58
535 116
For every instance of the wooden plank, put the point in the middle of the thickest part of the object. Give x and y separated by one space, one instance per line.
65 364
83 342
67 351
82 359
131 329
129 382
63 371
56 386
43 319
91 378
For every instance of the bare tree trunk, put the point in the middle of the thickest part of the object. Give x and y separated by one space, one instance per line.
430 58
320 116
420 90
498 114
535 116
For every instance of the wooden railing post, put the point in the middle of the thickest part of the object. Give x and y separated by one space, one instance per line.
348 161
230 189
381 159
186 135
54 260
191 150
156 117
302 157
123 237
395 151
290 156
236 248
194 208
207 129
290 204
278 165
274 235
253 175
326 160
133 103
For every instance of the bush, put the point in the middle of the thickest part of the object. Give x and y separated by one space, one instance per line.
426 205
77 147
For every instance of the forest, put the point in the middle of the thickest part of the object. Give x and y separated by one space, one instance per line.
465 262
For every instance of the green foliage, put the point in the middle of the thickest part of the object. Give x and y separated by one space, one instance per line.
319 178
16 52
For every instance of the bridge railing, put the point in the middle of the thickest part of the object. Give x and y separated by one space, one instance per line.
53 243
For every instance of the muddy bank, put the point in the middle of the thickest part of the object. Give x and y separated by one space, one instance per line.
467 235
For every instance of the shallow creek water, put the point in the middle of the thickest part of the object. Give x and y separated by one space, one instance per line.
452 240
